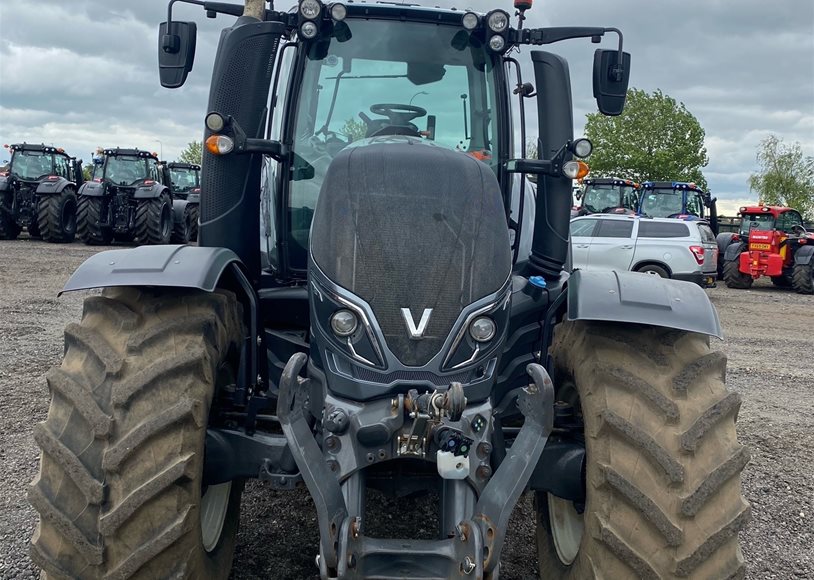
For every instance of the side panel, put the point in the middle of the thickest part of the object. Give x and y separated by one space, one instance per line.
549 247
240 87
176 266
641 299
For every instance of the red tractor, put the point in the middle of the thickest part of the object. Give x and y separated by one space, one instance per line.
772 242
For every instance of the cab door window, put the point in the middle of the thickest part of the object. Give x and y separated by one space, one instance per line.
61 167
788 220
694 204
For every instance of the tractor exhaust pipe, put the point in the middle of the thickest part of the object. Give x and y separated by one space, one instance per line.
549 247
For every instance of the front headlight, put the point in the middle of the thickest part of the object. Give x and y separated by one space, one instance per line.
344 322
482 329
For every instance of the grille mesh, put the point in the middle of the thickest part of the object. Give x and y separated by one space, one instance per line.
364 374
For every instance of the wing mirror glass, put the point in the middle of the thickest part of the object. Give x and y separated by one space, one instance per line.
176 52
610 81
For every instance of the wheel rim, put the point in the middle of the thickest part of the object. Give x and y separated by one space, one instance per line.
214 505
567 528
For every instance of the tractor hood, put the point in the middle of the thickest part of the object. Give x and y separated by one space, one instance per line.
415 234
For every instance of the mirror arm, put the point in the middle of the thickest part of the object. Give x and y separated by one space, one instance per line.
538 36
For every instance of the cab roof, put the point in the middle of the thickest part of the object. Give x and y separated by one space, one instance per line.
774 210
130 153
404 11
609 181
38 147
672 185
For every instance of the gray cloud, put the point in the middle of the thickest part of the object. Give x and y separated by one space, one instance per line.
84 73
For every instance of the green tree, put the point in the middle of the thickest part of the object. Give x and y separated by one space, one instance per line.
192 153
655 138
353 129
785 176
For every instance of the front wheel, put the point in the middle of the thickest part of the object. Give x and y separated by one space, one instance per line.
803 278
120 492
154 220
9 230
663 496
734 278
56 217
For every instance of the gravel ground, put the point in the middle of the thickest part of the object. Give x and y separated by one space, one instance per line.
769 339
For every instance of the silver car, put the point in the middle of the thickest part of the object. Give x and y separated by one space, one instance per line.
671 248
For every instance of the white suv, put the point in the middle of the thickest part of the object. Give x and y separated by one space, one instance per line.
671 248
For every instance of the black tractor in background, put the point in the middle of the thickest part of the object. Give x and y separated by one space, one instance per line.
184 180
388 309
127 199
38 192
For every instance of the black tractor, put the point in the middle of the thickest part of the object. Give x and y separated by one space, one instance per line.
184 180
38 192
126 200
383 305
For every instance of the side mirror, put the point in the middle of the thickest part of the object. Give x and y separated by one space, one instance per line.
610 81
176 52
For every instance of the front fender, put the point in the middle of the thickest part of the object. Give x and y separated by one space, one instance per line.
733 252
92 189
803 255
641 299
170 265
151 192
51 187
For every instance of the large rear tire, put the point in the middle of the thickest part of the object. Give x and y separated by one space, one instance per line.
194 215
89 221
803 278
9 230
734 278
182 229
56 216
154 220
663 464
119 492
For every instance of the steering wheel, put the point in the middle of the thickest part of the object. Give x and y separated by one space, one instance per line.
798 230
396 113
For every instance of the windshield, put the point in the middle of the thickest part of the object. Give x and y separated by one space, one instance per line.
381 80
31 165
123 170
760 221
600 198
662 203
183 179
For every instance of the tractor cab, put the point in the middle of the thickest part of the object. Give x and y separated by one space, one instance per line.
609 195
126 169
678 199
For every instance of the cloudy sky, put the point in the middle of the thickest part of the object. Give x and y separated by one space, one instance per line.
83 73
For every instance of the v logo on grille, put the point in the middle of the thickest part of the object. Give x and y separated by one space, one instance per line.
416 332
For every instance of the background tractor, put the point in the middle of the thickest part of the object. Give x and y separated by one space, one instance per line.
184 180
38 192
677 199
772 242
391 336
127 199
608 195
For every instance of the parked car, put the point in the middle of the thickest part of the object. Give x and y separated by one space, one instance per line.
670 248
